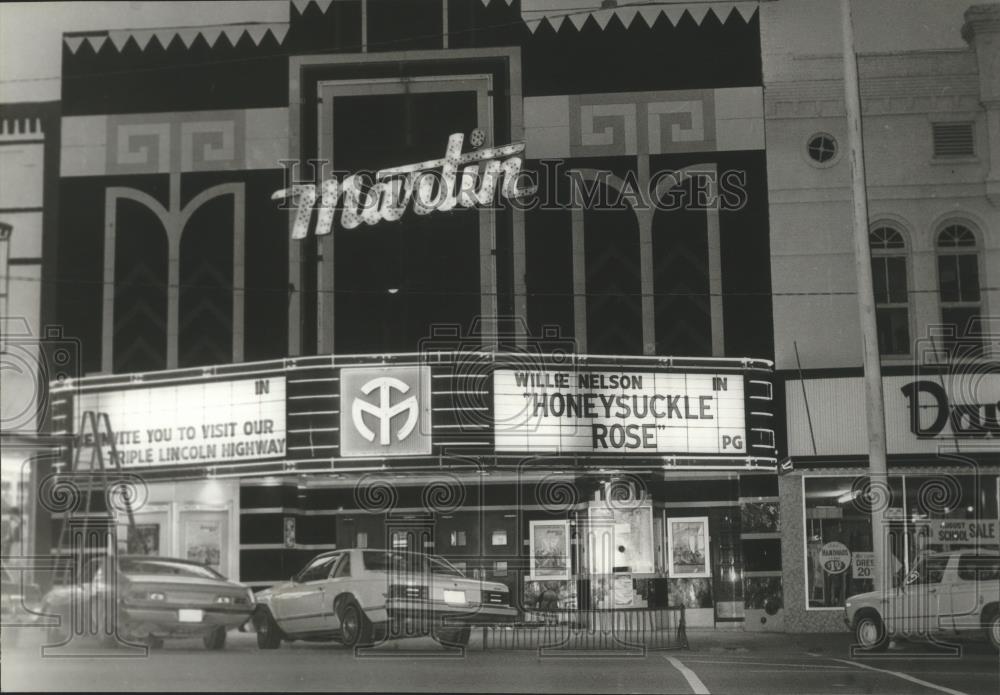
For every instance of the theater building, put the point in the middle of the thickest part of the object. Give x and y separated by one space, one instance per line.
564 383
932 148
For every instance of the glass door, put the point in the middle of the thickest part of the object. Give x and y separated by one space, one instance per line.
727 571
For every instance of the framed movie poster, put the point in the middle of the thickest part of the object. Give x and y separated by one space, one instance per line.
687 547
203 541
549 545
145 540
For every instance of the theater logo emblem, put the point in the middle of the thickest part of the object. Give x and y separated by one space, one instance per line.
385 411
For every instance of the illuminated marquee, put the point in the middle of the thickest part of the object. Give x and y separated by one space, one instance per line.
429 185
639 413
213 422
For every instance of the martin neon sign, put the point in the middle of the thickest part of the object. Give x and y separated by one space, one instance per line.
429 186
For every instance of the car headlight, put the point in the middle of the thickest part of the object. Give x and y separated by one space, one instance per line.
847 604
223 599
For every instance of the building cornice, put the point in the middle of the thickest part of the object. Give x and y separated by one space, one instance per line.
805 105
19 129
981 19
896 83
781 67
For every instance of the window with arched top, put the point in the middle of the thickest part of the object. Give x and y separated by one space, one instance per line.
892 298
958 285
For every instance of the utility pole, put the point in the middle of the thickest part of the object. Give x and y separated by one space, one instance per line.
874 404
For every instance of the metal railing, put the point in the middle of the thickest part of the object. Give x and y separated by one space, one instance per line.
592 630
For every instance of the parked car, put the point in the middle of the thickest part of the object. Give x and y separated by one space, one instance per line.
18 603
945 594
360 596
156 598
18 598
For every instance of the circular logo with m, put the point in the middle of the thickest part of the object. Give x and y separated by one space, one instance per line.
385 411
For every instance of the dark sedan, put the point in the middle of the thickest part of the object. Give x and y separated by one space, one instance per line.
155 598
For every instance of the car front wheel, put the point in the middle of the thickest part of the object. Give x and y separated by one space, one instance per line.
268 633
870 633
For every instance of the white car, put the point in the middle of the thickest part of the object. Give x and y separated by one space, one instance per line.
361 596
953 594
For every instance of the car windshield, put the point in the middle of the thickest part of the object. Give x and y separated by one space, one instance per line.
928 570
409 563
171 567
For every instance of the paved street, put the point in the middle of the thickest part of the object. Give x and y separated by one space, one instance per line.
716 663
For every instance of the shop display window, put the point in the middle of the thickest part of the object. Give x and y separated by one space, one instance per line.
947 512
924 514
839 538
457 539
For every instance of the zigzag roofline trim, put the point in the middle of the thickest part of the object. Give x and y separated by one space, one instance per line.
533 18
188 35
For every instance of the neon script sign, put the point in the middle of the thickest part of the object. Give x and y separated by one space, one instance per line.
430 186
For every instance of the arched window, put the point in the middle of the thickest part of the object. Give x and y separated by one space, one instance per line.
892 301
958 284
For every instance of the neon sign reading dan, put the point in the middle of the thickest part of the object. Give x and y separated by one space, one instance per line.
430 186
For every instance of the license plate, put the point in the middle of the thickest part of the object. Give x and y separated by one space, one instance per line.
454 597
189 615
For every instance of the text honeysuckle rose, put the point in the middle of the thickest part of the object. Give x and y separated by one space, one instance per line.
430 185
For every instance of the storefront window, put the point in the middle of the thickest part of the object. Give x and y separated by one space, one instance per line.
839 549
947 512
924 514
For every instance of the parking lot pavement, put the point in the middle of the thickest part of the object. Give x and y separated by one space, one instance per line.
716 663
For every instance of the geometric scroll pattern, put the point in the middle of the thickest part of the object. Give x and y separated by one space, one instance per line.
172 142
641 122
